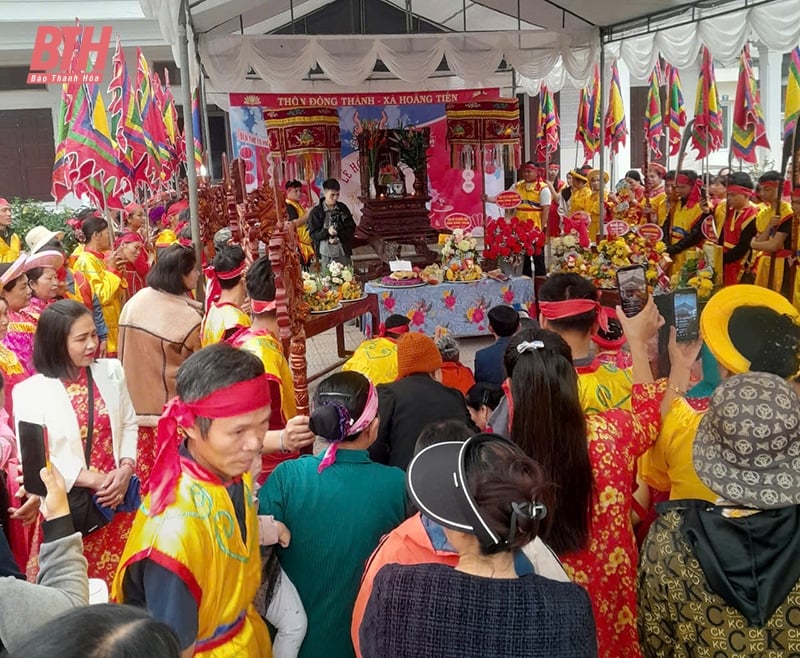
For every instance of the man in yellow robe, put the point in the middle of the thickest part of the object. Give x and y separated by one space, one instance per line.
261 338
376 358
299 215
581 194
225 316
769 224
9 241
192 557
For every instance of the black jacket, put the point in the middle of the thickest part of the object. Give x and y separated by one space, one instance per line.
406 407
318 232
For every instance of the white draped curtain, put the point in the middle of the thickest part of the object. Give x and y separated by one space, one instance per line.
538 56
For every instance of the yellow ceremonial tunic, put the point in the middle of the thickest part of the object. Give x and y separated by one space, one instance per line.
376 359
166 238
594 213
603 386
221 319
668 465
762 260
682 221
267 348
108 287
654 203
531 208
198 538
581 200
9 251
304 242
73 257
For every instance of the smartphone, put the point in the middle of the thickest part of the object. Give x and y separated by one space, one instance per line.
684 304
632 286
35 456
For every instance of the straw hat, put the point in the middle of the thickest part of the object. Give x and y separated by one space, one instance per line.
39 236
595 173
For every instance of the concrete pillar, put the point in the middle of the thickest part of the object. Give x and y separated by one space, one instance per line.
770 84
568 114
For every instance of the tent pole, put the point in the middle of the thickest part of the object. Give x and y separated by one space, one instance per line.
206 130
188 128
601 229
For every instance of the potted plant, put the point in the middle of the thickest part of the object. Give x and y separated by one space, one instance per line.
411 145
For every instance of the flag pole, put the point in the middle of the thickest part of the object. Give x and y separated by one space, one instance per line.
188 129
601 229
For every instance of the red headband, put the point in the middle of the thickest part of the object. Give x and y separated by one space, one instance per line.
770 183
128 236
235 400
132 208
211 273
682 179
569 308
402 329
740 189
258 307
4 203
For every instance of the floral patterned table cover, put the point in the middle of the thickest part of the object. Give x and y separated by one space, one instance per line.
460 308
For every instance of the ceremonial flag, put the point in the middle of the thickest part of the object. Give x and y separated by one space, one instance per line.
653 122
593 118
616 127
792 106
748 119
174 140
677 110
61 184
159 134
198 142
89 151
580 124
707 130
547 129
152 122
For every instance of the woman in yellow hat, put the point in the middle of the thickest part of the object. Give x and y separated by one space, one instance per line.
594 202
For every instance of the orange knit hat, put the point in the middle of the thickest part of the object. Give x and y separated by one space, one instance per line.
417 353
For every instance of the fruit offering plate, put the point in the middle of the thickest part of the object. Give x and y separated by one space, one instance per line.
326 310
386 282
356 299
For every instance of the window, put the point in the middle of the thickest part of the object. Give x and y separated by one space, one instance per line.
726 124
15 78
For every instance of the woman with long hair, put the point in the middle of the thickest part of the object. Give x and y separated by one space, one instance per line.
159 328
591 460
102 273
91 423
337 505
491 500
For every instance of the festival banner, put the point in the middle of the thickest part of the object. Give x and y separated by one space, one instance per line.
454 193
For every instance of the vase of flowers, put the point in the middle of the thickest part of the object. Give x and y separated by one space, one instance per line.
373 139
459 256
411 146
509 240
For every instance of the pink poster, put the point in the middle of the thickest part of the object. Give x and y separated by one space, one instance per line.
455 193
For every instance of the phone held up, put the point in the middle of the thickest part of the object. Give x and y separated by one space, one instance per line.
685 314
632 286
34 450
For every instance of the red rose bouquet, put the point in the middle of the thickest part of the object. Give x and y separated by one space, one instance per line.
509 238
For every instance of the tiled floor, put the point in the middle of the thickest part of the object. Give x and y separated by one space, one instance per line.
321 350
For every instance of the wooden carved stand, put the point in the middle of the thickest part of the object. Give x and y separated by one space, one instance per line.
255 217
387 222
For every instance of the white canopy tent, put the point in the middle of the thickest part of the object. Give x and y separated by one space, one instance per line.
550 41
542 41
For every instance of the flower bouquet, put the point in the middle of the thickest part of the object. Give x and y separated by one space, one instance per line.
459 253
698 273
319 292
343 277
602 262
411 146
508 240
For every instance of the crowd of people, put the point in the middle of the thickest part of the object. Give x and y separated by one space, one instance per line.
589 486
